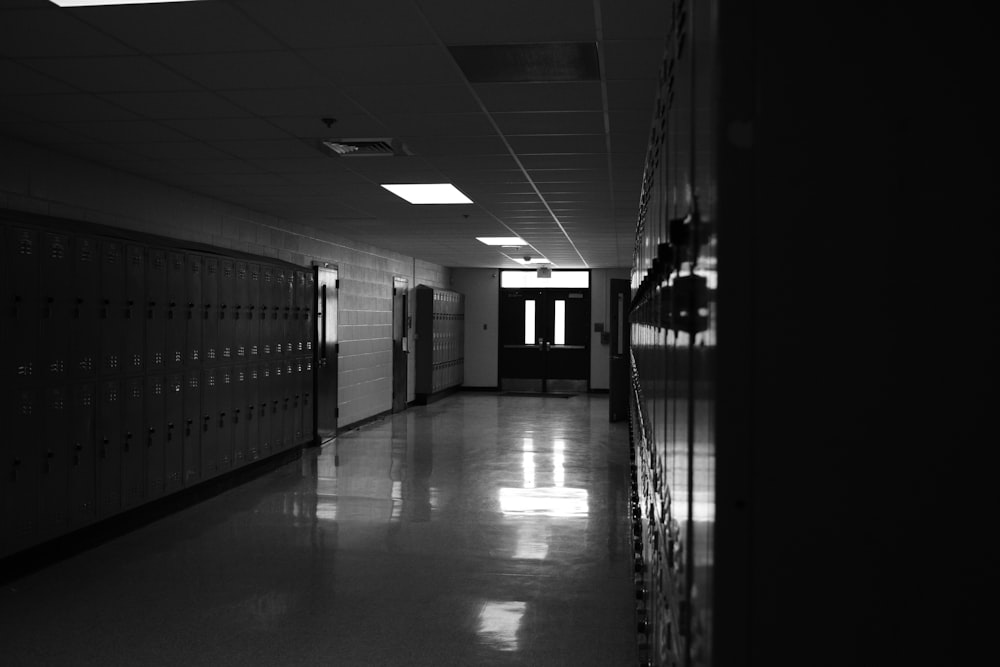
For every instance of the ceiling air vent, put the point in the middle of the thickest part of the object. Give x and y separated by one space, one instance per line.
363 147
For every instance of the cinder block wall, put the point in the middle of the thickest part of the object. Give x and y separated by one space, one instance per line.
37 180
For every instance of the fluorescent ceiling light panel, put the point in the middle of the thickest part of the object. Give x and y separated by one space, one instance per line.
101 3
427 193
513 241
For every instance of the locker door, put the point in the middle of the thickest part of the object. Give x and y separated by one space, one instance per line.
252 405
156 310
109 448
179 310
276 394
21 468
278 313
112 307
287 308
306 386
265 412
240 416
22 283
85 323
210 381
298 400
255 315
266 321
56 307
133 443
154 436
173 438
299 300
225 409
135 311
210 310
308 316
196 309
289 404
83 456
227 309
241 318
192 428
53 458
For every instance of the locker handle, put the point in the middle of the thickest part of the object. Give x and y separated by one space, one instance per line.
236 416
206 424
222 419
128 441
76 456
170 431
187 430
250 413
152 432
237 315
285 406
275 410
49 455
104 310
128 309
48 307
14 467
104 447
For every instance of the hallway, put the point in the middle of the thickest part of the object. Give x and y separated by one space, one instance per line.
479 530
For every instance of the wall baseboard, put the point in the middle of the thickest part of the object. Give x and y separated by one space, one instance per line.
466 388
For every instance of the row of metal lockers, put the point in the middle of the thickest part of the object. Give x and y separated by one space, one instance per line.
79 306
441 320
133 370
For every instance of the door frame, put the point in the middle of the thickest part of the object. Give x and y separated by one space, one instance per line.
500 293
400 347
327 364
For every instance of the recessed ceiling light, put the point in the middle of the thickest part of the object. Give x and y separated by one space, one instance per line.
510 241
100 3
427 193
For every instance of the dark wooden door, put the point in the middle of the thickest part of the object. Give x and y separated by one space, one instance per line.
327 349
400 347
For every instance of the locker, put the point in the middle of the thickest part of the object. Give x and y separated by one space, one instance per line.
252 413
195 309
210 391
21 468
306 387
53 458
56 263
226 416
173 437
133 443
192 428
84 327
287 308
22 284
210 311
299 300
154 436
179 310
276 397
265 413
112 307
267 279
241 316
109 448
308 301
227 309
134 313
241 415
256 314
295 390
156 310
83 456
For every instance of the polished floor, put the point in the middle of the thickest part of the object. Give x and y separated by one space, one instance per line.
479 530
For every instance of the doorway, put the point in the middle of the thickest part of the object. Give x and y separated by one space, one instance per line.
327 350
544 339
400 346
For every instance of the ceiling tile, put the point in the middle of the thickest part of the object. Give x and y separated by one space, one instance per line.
414 99
521 97
125 131
180 27
57 107
631 95
321 102
48 31
636 19
175 150
179 104
223 129
356 126
634 59
441 124
552 122
511 21
252 70
457 146
320 23
558 144
266 148
17 79
380 65
111 74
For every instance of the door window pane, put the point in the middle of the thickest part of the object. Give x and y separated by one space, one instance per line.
559 337
529 322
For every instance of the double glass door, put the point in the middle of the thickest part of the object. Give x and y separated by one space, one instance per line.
544 339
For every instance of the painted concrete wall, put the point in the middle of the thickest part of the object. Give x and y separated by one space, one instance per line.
482 304
39 181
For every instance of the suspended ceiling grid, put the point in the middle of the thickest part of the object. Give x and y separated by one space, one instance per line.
225 98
